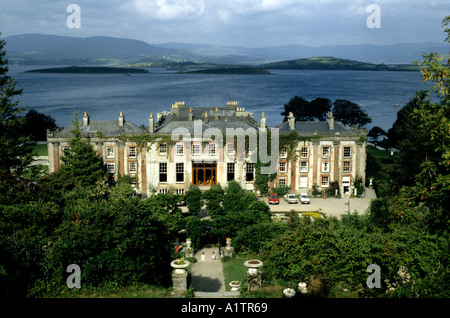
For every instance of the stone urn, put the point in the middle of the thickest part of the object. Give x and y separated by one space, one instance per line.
254 279
189 249
289 292
228 250
235 285
179 266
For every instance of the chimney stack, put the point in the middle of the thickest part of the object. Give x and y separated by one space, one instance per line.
291 120
330 120
190 114
216 114
206 117
262 124
151 124
121 119
85 119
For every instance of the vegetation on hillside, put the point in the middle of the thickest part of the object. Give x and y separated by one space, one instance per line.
332 63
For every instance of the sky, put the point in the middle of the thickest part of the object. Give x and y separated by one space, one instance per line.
247 23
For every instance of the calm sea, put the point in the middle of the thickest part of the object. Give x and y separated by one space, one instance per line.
105 96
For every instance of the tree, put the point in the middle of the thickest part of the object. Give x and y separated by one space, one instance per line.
194 200
15 142
320 107
304 110
433 122
213 200
81 162
375 133
37 124
299 107
350 114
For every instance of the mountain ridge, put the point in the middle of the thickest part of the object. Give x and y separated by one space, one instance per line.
36 48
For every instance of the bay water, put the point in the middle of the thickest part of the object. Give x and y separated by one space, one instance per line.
104 96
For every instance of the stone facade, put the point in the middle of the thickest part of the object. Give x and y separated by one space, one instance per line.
325 152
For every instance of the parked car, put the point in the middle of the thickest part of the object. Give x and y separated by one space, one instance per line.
291 198
304 198
273 199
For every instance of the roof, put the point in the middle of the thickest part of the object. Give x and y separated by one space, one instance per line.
322 128
107 129
227 118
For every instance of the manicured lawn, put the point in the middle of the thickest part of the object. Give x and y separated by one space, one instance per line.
234 269
40 150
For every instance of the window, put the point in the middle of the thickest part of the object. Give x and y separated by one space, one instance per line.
179 149
196 149
324 183
66 149
164 191
132 152
110 152
179 191
347 152
282 181
163 149
303 182
249 176
325 166
132 166
283 152
230 171
180 172
303 166
304 152
162 172
230 149
282 167
133 180
211 149
111 167
326 152
347 166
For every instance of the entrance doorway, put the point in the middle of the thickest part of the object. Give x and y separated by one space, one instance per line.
204 174
346 185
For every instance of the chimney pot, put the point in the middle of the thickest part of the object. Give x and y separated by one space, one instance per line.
86 119
291 120
121 119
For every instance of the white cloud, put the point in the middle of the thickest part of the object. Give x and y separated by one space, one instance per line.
168 9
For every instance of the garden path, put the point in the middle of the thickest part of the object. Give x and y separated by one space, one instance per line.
207 275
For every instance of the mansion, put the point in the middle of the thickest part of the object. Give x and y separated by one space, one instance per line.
325 152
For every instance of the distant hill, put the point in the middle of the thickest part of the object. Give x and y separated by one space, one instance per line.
42 49
89 70
400 53
54 49
332 63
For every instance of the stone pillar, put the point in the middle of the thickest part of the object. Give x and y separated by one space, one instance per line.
179 281
179 276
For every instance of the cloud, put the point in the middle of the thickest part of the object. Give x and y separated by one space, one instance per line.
169 9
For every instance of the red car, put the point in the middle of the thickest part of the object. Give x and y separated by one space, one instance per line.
273 199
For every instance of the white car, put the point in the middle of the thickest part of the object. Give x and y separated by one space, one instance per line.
291 198
304 198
